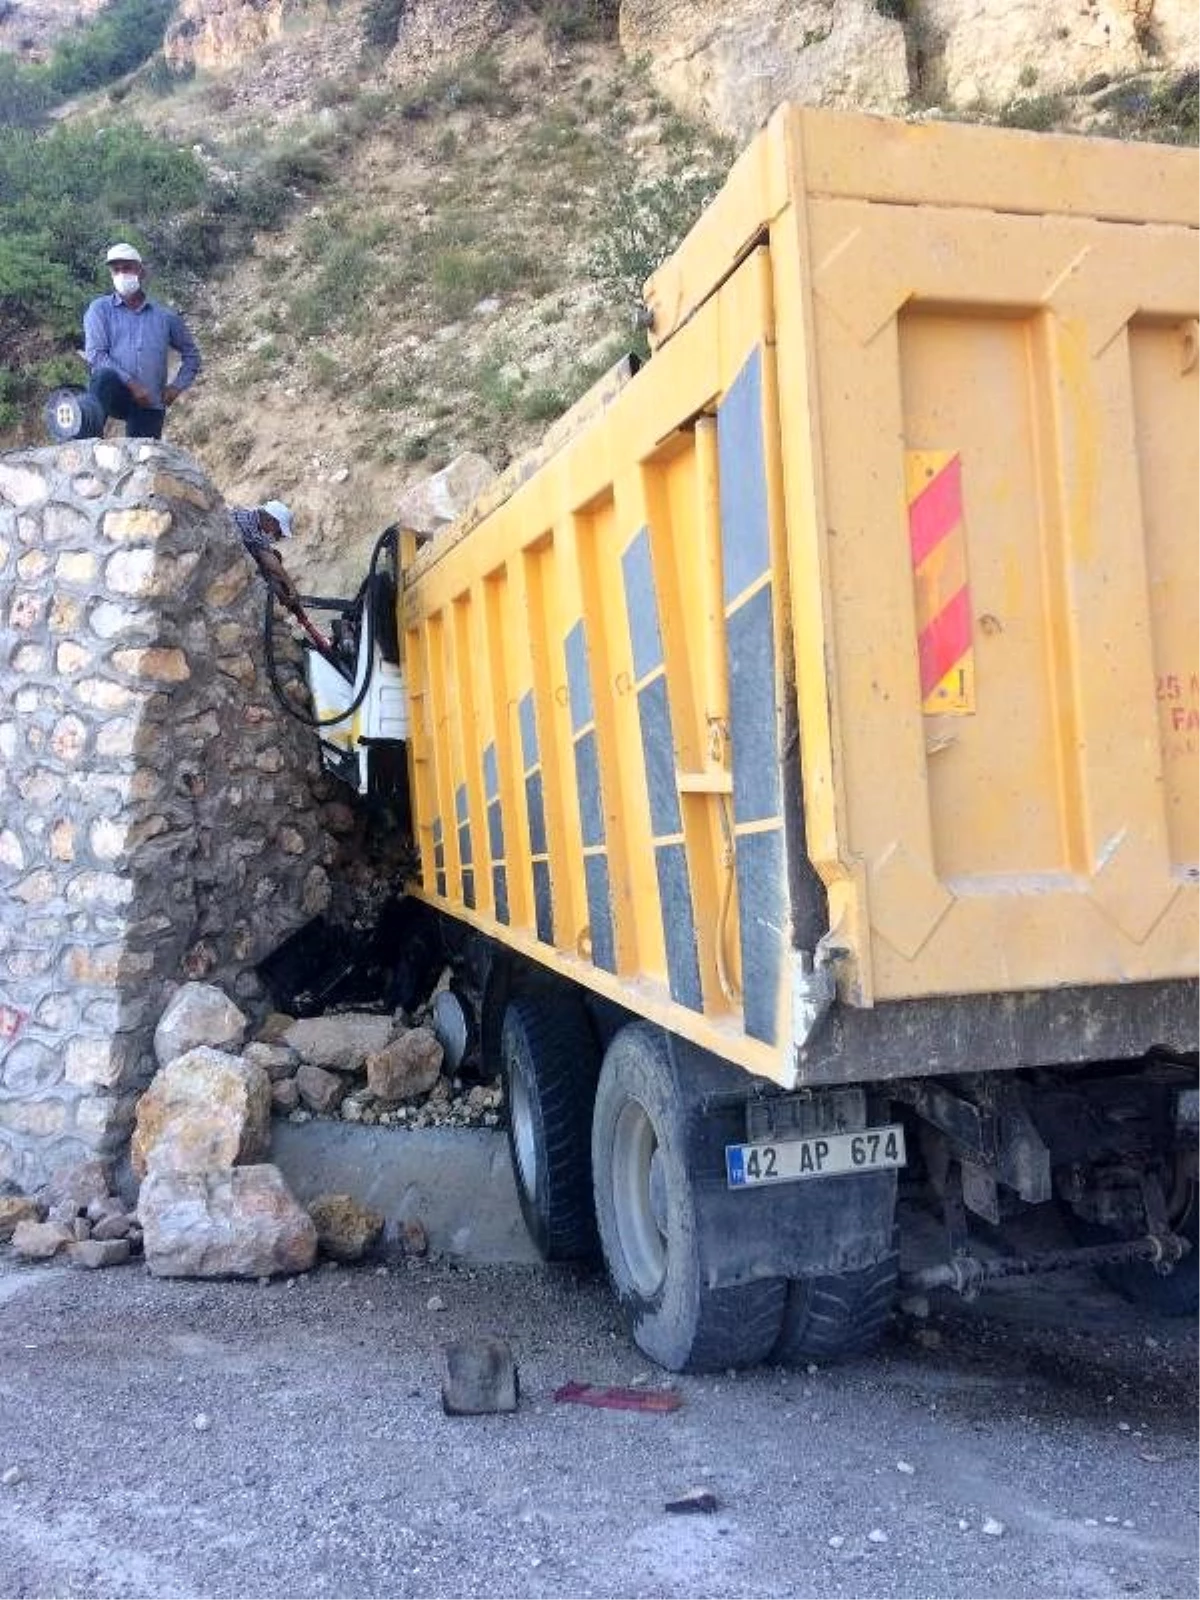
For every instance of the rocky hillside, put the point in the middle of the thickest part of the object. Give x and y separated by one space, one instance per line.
478 174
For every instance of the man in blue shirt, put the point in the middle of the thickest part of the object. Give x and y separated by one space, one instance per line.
127 339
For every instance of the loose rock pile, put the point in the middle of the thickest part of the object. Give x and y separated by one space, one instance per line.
210 1203
75 1216
367 1067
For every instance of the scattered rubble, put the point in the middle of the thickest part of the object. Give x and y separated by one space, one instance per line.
73 1217
210 1205
375 1069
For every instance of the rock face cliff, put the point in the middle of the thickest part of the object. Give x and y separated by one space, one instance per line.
730 62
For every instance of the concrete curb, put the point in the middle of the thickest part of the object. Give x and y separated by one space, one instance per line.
457 1182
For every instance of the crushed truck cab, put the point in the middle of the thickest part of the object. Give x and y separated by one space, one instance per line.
807 736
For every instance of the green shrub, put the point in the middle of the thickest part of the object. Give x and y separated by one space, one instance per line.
577 21
640 224
381 23
121 35
1035 113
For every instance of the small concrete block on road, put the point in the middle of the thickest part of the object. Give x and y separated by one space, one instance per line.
481 1377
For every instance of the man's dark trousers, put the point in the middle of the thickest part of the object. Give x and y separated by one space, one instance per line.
141 422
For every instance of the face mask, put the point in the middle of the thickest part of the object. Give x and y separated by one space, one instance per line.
126 284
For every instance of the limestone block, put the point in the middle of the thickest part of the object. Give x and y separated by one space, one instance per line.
29 659
276 1060
108 838
225 589
346 1230
32 565
74 1185
76 566
102 1117
39 788
41 1118
198 1014
38 888
118 737
62 840
137 526
25 610
732 62
15 1208
172 487
321 1091
63 523
441 499
341 1043
12 852
100 888
103 695
69 738
168 666
407 1069
285 1096
97 1063
38 1241
144 573
65 614
203 1111
100 965
238 1222
21 487
93 1253
108 619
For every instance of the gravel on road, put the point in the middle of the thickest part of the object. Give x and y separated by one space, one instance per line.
176 1438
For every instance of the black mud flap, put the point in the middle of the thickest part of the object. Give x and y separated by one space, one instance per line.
793 1230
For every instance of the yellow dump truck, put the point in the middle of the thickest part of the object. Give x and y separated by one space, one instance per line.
801 746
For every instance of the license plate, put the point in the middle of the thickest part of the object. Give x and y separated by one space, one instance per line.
822 1155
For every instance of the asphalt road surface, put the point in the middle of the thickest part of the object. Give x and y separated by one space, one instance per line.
186 1438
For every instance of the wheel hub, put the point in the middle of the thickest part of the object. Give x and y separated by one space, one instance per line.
640 1203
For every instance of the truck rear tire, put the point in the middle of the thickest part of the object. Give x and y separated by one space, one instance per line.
646 1215
838 1315
549 1061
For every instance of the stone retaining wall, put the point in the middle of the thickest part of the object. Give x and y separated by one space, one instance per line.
161 818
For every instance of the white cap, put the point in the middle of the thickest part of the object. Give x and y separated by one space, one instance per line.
124 252
277 509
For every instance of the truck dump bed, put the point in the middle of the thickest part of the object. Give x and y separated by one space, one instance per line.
856 635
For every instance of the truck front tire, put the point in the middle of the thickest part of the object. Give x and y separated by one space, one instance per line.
549 1061
646 1215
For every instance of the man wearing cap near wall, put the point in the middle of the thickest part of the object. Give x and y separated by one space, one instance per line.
127 340
260 528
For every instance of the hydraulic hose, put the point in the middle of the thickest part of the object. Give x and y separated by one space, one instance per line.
386 538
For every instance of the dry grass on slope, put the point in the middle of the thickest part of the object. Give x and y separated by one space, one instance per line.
433 294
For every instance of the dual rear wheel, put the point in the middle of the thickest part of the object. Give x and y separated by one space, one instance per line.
614 1173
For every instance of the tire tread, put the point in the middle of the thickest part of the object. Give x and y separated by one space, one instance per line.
838 1315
